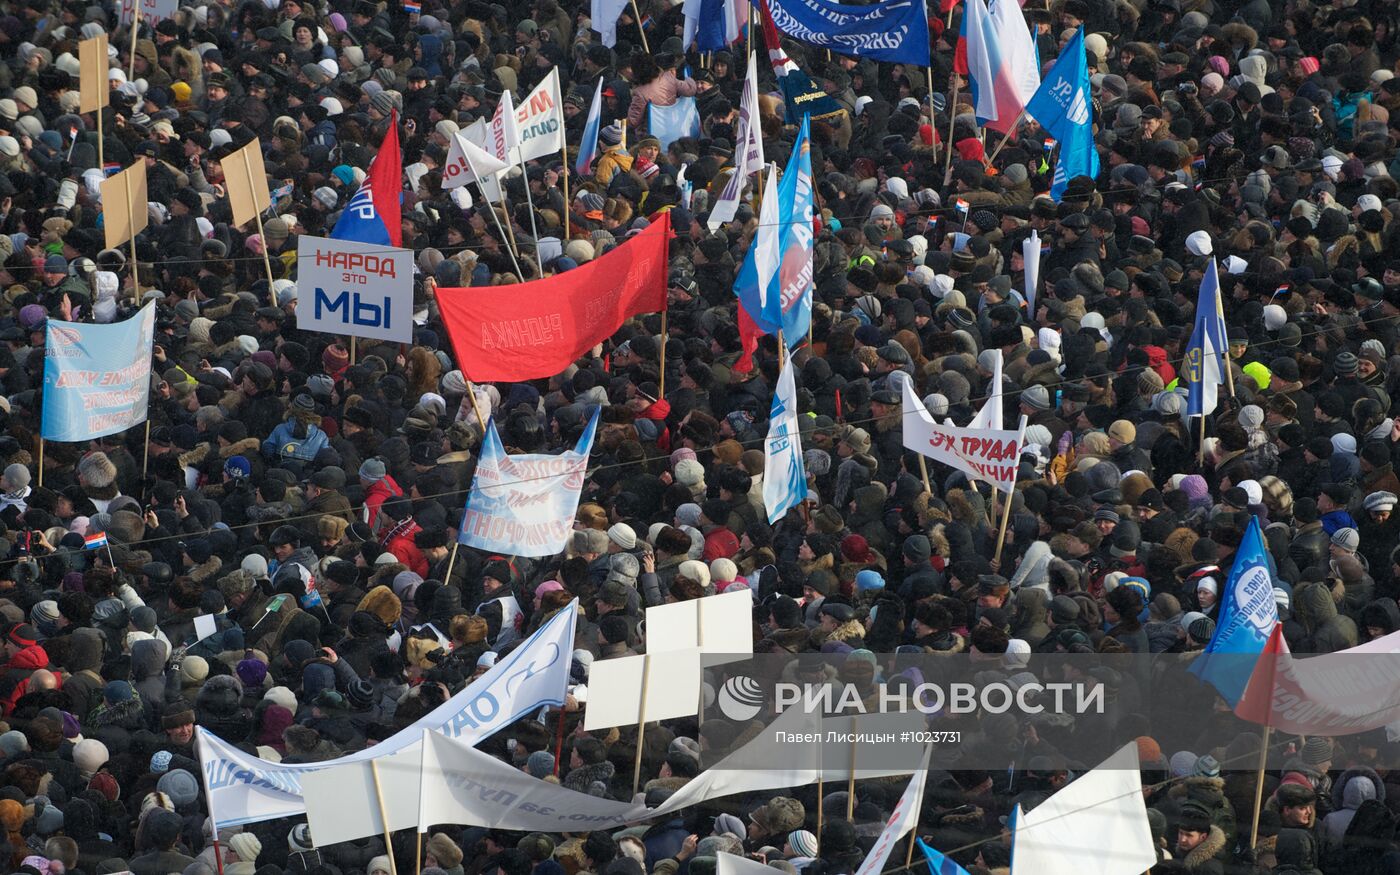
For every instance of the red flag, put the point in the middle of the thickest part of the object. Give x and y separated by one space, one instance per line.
749 333
1257 703
386 181
532 330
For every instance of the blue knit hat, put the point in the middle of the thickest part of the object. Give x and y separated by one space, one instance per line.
869 579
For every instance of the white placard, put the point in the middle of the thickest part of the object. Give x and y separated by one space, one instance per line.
717 625
204 626
615 689
362 289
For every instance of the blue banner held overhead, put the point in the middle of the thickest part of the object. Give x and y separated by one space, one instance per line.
891 30
97 378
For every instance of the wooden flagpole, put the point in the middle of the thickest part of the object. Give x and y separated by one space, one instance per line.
1259 786
851 778
1006 139
662 388
641 725
135 267
257 215
645 46
564 156
476 406
384 817
135 30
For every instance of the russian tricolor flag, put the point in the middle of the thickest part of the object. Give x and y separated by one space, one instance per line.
1000 61
372 216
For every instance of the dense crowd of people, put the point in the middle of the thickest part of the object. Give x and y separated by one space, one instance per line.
308 499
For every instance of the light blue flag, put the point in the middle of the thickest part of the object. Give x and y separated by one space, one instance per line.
1062 105
669 123
789 300
524 505
784 477
1203 369
938 862
588 148
97 378
1247 615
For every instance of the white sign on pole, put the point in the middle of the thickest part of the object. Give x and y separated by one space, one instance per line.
616 695
362 289
718 625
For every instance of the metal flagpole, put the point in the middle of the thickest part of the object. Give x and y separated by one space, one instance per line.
530 200
491 208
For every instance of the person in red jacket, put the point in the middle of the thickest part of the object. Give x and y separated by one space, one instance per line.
398 514
23 656
379 488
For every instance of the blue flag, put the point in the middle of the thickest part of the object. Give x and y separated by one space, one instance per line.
669 123
1062 105
938 863
789 300
1203 369
757 277
1247 615
888 30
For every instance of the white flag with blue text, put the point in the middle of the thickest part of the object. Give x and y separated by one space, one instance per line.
243 788
784 478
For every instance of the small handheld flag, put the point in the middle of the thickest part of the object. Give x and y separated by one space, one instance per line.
95 541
